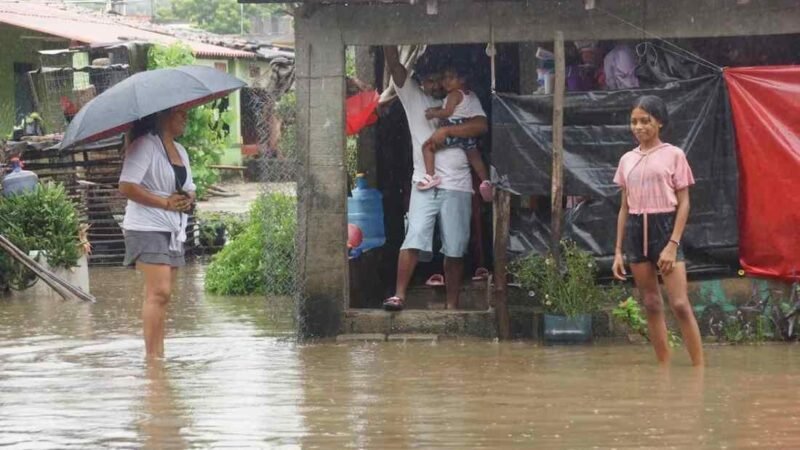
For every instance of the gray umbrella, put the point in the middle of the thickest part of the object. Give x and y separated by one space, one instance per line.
146 93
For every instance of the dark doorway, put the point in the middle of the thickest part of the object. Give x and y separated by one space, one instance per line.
23 96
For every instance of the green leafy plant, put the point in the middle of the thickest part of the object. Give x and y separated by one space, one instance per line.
259 259
162 56
205 137
569 288
351 152
742 328
43 220
350 62
630 313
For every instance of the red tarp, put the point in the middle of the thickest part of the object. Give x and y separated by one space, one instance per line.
766 113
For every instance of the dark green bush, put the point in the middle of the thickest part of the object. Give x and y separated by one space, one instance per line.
260 259
44 220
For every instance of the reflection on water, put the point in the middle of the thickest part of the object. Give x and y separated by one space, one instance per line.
72 375
162 416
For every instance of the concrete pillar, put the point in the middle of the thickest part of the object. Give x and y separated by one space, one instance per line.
322 189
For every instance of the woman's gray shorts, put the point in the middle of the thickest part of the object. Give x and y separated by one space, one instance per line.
151 247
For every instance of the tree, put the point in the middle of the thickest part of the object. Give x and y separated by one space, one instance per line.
217 16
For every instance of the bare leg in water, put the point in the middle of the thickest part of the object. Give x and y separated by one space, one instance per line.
646 278
158 281
675 282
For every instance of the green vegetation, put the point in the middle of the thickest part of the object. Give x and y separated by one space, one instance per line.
258 260
351 152
43 220
630 313
7 119
217 16
568 288
205 138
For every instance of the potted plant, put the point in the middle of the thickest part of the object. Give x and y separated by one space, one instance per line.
566 289
43 223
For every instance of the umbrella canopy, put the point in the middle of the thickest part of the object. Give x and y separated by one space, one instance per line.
146 93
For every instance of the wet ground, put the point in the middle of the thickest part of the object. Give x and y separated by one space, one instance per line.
241 196
72 376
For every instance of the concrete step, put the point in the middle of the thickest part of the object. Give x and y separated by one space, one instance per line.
419 322
414 337
361 337
474 297
379 337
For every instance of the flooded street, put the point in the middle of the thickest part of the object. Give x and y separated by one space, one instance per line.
72 376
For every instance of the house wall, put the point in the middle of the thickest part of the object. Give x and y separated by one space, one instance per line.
323 33
15 49
257 77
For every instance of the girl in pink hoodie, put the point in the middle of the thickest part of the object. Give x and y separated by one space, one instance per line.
655 179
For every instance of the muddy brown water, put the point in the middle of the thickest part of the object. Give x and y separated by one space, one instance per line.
72 376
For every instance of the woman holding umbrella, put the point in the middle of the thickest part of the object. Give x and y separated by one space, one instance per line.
156 177
157 181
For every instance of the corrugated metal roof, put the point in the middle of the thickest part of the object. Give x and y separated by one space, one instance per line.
96 29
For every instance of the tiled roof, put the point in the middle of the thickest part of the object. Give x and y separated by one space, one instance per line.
92 28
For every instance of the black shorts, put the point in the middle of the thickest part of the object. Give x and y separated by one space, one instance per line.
659 232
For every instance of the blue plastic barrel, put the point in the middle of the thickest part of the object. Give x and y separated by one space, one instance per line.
365 210
19 181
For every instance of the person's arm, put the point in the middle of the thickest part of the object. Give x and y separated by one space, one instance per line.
453 99
396 69
138 194
682 215
471 128
666 260
619 265
190 189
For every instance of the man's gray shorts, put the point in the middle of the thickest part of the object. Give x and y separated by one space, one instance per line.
452 208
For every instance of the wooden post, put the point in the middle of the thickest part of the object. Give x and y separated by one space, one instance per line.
502 222
557 190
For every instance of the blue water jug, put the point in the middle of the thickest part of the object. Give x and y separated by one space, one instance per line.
19 181
365 210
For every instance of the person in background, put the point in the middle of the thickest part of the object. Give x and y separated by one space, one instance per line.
619 67
451 201
157 181
459 106
655 178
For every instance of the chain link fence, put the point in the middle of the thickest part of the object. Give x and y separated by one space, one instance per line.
67 81
276 167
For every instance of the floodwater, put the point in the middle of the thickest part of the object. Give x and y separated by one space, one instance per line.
72 375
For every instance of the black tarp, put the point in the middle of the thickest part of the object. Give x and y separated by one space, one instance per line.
596 135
